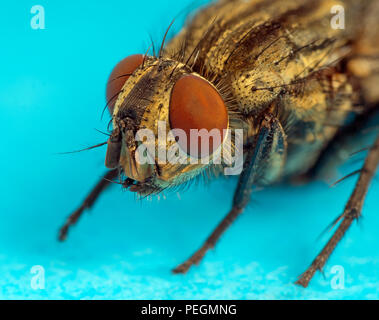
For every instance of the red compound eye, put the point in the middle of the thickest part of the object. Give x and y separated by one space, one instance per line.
119 76
195 104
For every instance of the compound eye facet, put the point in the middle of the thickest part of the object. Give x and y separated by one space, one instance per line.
121 72
196 104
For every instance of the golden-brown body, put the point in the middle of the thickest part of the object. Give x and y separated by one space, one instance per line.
285 57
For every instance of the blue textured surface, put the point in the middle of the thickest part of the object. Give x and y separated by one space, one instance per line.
51 96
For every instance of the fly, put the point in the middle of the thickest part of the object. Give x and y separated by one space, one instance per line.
299 89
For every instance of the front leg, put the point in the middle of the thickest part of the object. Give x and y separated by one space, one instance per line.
88 202
264 160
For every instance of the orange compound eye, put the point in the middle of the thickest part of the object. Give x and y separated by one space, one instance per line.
195 104
118 77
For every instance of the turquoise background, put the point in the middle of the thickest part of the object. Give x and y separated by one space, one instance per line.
51 96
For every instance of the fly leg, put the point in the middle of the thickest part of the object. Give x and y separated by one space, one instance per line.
88 202
352 212
211 241
269 142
